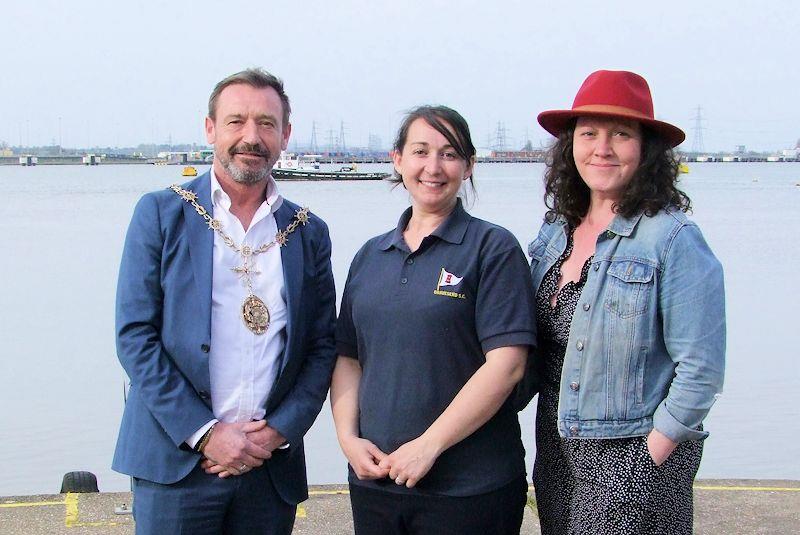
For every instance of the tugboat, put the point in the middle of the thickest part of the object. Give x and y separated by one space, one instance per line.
291 167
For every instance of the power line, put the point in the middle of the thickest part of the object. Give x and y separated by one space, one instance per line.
697 143
342 144
314 148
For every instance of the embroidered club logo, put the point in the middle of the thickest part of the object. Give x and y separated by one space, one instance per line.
448 279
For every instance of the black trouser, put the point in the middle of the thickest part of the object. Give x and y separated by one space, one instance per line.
378 512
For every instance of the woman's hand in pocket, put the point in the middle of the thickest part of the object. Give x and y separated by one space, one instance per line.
660 446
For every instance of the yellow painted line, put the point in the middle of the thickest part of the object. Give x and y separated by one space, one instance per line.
28 504
72 520
301 512
698 487
71 501
93 524
726 488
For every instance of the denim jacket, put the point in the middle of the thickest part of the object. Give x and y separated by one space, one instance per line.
647 339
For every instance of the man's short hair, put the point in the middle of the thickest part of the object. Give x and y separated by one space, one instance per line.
254 77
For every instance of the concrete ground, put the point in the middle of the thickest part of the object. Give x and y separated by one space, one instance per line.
721 507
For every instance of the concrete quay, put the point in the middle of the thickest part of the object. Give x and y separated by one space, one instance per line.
721 507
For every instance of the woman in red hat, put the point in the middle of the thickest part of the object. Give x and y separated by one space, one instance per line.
631 320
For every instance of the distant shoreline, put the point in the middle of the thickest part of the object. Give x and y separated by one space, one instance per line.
78 160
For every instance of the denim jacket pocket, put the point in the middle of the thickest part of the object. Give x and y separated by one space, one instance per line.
629 287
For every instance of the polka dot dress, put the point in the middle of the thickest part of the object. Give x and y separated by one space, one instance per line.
598 485
552 477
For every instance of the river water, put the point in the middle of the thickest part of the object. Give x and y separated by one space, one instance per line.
61 387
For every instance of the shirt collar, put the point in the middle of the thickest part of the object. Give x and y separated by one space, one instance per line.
620 225
452 230
623 226
221 199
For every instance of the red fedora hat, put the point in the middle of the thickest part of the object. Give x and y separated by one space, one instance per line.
613 94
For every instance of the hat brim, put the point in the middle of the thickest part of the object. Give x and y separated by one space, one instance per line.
555 121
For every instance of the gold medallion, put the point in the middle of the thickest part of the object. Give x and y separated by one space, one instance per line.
255 314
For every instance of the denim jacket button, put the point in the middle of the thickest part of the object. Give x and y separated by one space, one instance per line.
574 386
573 431
596 267
579 345
587 306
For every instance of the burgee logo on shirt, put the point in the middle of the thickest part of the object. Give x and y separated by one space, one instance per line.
448 279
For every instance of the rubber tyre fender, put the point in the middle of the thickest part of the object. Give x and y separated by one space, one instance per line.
79 482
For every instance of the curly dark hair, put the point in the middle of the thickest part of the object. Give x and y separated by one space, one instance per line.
652 187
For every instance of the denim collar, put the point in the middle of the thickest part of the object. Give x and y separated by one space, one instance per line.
623 226
620 225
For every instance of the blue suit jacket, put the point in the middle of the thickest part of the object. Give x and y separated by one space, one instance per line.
163 324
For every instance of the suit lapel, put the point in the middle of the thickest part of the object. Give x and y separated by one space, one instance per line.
201 243
292 260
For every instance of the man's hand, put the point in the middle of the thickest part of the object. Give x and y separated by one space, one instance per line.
229 450
267 437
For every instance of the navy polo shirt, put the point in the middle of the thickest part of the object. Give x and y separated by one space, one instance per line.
419 324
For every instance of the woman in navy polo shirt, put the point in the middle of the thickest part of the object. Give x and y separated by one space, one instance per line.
433 333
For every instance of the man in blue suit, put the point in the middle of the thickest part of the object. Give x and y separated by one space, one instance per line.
225 317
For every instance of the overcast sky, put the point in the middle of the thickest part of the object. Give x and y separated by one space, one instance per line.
121 73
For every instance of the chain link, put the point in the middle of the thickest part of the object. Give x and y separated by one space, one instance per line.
282 236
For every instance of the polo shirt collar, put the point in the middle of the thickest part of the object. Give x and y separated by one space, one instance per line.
452 230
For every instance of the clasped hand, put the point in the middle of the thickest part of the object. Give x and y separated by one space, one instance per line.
235 448
407 465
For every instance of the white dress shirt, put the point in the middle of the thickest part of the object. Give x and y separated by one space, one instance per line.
243 365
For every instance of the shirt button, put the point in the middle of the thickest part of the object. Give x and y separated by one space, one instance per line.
403 280
410 261
579 345
587 306
574 386
205 348
573 431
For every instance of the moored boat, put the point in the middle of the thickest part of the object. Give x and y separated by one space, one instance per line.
291 167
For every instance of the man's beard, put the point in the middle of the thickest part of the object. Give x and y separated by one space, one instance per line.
247 175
